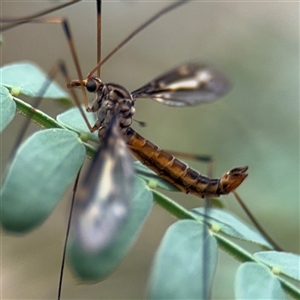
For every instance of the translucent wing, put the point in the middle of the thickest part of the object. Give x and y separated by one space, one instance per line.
104 198
186 85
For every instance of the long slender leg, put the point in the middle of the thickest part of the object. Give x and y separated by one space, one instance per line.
14 22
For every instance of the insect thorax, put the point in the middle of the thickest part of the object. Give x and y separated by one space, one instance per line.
112 98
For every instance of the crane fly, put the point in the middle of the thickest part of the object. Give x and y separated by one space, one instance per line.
185 85
100 211
103 201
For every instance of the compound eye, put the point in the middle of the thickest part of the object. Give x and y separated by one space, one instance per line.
91 86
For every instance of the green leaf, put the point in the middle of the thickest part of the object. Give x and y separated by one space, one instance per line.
27 79
74 120
152 178
7 107
97 266
255 281
181 270
282 262
231 226
43 168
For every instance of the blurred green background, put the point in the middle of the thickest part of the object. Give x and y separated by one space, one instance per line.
257 124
